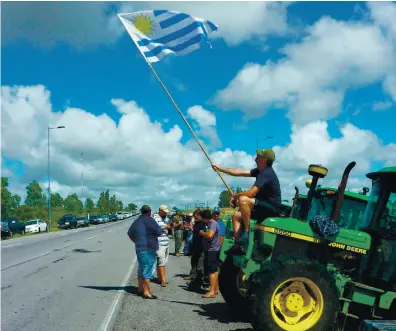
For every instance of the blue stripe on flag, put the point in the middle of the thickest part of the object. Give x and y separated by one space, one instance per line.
212 26
174 35
159 12
173 20
195 40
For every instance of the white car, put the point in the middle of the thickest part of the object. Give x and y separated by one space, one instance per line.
36 226
120 215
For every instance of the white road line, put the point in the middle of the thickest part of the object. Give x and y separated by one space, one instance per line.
91 237
12 245
114 305
109 230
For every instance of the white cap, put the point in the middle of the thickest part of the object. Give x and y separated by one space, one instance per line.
164 208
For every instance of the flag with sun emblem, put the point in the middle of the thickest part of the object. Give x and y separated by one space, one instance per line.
157 33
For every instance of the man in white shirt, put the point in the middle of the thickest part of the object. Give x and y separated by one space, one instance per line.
163 243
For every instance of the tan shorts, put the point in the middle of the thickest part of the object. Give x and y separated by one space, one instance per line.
162 256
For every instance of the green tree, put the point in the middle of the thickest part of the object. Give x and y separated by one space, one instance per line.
25 213
35 196
56 200
89 205
225 197
103 201
131 206
5 197
113 204
73 204
120 205
9 202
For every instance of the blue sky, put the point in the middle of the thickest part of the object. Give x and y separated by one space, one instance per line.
89 76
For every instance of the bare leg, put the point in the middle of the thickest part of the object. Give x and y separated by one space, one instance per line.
236 224
245 206
161 275
146 287
217 283
213 285
140 285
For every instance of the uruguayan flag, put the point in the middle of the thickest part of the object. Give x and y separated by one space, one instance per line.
160 32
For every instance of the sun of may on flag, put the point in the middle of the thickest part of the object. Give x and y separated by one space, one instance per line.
157 33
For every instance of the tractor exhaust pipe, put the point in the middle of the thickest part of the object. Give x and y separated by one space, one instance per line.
294 201
340 194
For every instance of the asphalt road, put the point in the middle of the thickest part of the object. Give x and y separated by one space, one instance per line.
177 308
48 280
85 279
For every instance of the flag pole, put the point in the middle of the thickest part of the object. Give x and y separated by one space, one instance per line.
177 107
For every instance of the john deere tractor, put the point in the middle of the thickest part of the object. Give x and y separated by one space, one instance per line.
295 276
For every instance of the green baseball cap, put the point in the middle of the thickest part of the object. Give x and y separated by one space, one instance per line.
267 153
145 209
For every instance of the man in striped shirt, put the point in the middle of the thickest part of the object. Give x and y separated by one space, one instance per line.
163 243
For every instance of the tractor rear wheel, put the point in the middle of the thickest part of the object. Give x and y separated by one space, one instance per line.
294 295
232 288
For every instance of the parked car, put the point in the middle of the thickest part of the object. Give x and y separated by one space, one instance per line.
68 221
36 226
103 218
120 215
82 221
113 218
93 219
11 225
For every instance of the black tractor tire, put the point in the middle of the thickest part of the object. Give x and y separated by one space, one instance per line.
237 303
264 285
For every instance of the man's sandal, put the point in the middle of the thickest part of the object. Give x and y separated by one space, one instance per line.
207 296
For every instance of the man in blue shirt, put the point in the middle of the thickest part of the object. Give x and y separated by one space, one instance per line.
216 216
262 200
211 246
144 232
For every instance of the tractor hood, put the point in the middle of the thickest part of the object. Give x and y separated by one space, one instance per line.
347 239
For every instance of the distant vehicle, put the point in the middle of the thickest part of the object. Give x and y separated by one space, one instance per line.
34 226
120 215
103 218
93 219
82 221
113 218
10 226
68 221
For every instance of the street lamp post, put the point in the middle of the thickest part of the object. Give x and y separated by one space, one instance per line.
258 138
49 178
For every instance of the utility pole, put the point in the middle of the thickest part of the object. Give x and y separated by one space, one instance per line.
82 177
49 177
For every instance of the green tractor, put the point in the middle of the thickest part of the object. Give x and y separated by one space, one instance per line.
292 277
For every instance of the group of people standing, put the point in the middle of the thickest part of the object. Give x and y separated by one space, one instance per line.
208 233
150 235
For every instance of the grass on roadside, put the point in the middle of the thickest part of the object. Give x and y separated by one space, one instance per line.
18 235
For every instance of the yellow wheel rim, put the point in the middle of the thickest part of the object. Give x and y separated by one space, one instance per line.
297 304
241 283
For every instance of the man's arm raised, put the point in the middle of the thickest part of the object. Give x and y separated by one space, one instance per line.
232 171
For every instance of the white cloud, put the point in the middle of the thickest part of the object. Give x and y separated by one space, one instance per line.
313 76
156 167
84 24
382 105
202 116
206 121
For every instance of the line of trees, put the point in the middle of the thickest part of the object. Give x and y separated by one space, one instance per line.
225 197
36 203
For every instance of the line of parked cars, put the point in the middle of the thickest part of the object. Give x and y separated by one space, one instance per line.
70 221
10 225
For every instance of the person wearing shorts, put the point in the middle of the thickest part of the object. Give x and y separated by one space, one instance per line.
163 244
211 245
262 200
144 232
